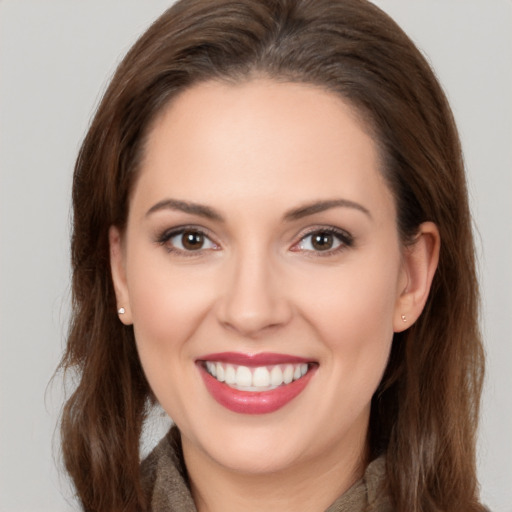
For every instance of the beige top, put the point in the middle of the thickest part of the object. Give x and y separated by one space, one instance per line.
165 480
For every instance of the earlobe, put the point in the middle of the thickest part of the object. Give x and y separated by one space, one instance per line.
117 266
420 261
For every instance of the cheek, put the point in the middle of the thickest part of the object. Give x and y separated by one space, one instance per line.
354 301
167 302
352 312
354 322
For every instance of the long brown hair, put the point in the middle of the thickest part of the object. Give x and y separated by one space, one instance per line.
424 414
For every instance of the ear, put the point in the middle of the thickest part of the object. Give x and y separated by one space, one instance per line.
117 266
420 261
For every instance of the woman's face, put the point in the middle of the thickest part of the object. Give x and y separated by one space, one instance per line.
262 271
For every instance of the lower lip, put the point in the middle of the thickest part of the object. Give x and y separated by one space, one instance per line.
259 402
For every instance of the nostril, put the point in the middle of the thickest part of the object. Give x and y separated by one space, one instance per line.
253 323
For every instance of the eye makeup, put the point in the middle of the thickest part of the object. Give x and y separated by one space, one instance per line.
187 240
193 240
324 241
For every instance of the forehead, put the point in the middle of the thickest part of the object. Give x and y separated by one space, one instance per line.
260 139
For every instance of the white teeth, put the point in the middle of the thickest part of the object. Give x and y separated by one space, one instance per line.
276 376
259 378
288 374
230 375
212 368
219 372
243 376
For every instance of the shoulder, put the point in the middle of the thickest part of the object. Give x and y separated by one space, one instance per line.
164 478
369 494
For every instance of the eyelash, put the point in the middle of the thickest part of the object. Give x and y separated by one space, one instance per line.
344 238
168 235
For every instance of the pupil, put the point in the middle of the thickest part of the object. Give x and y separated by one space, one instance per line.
322 241
192 241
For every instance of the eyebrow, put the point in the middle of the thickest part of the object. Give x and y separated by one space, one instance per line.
321 206
294 214
187 207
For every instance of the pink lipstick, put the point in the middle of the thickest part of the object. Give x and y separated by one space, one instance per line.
255 383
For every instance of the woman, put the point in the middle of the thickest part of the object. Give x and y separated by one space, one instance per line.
272 240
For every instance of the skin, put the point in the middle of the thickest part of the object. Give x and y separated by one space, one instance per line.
252 153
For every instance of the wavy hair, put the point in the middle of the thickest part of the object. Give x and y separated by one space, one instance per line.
424 414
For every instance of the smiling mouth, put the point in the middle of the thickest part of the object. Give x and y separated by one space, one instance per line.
256 378
255 383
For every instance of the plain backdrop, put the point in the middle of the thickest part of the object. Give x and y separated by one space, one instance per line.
56 57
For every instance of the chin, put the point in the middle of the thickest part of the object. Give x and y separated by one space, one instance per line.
256 452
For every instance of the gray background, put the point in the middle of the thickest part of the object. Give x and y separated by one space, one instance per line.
55 58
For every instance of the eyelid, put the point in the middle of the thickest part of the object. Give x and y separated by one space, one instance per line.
345 238
167 234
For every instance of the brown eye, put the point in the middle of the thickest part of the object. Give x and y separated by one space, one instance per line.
192 240
322 241
329 241
187 241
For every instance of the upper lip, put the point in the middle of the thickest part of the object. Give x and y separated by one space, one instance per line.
260 359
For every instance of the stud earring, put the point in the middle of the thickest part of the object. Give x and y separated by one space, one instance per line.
404 318
121 311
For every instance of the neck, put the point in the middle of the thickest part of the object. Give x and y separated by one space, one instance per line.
310 485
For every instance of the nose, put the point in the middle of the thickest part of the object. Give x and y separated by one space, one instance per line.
254 299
